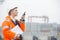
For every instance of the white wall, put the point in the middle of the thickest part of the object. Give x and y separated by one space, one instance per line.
50 8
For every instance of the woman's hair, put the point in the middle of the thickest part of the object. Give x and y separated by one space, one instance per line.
9 13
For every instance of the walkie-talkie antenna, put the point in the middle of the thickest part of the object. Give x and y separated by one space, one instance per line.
24 14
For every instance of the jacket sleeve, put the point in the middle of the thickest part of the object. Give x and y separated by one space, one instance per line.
22 26
6 31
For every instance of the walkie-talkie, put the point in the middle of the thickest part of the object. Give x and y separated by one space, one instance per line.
23 20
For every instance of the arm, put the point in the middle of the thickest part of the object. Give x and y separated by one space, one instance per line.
22 26
6 31
22 22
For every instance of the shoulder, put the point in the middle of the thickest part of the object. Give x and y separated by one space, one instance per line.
6 21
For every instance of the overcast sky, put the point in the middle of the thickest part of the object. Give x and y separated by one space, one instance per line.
50 8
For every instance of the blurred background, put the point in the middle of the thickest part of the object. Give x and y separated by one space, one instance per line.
42 17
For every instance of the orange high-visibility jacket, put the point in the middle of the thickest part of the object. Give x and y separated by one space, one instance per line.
7 25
